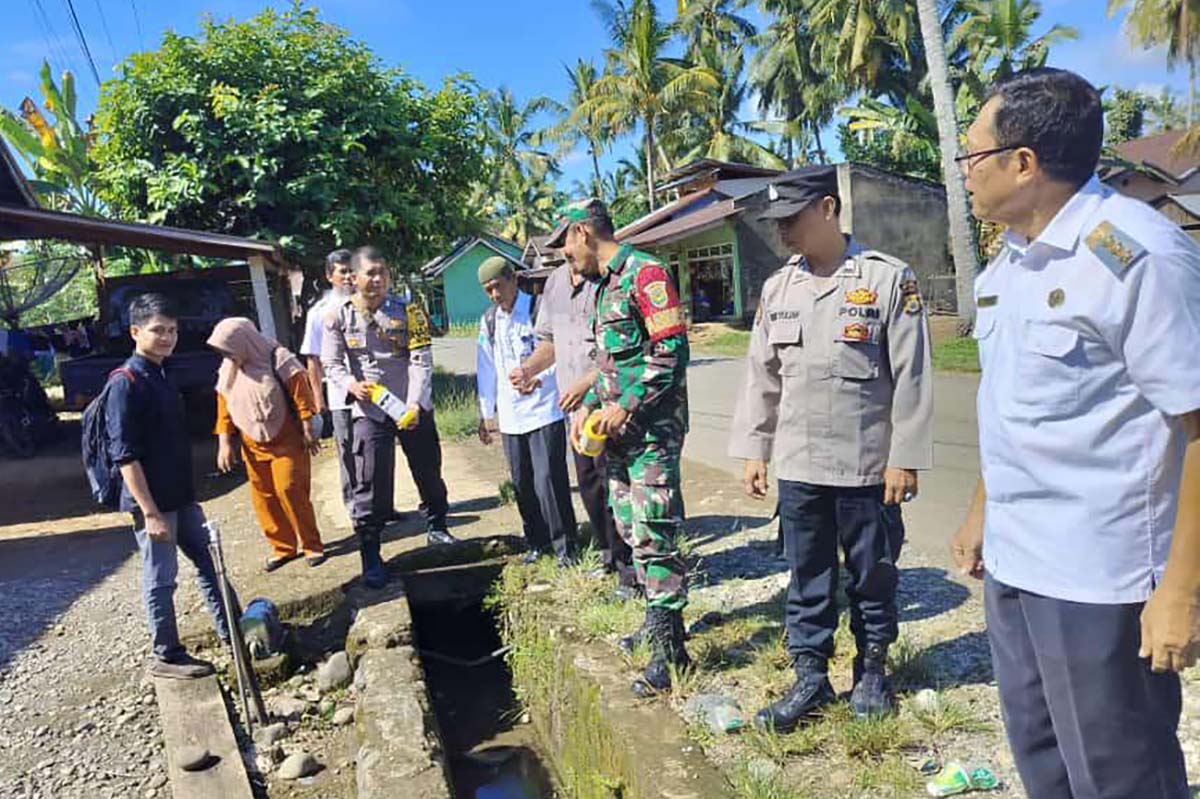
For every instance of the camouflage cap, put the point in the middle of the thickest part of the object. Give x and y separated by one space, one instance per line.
792 192
587 210
494 267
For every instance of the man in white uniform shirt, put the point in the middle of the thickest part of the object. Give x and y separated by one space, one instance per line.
530 422
1086 523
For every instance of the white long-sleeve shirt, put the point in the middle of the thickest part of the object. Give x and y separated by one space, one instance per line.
514 341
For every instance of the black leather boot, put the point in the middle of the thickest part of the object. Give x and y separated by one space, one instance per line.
373 570
666 634
872 695
810 693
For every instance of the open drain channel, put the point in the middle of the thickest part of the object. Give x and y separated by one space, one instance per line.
490 752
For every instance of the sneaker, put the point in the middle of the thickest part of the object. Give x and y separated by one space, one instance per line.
181 667
440 536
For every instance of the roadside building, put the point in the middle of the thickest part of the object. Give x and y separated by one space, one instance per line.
721 254
451 280
1150 169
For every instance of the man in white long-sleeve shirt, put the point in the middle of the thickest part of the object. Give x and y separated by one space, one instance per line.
531 423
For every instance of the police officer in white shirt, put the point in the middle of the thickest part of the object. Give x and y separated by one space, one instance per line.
530 422
1086 523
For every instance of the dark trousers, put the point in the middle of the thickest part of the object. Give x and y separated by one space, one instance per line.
375 471
615 554
1086 718
343 437
537 462
813 520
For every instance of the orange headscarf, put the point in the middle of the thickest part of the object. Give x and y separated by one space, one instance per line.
247 377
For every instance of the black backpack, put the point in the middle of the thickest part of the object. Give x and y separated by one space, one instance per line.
103 475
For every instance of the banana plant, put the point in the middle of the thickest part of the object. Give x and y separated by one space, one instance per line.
54 146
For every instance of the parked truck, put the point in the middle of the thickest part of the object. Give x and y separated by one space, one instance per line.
203 298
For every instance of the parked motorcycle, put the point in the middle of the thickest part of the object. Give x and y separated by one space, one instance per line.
26 418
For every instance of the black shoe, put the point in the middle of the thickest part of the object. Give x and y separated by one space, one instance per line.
181 667
439 536
666 640
274 563
810 693
373 570
872 695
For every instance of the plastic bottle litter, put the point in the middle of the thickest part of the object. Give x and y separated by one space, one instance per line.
404 417
718 713
591 443
954 779
261 628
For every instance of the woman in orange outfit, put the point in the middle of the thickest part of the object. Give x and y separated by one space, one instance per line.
264 397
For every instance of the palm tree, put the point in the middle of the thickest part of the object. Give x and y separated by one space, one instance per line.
858 39
704 23
513 145
1175 23
642 85
962 232
581 123
788 82
714 130
529 204
996 35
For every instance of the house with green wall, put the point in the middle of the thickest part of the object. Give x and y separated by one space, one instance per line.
721 254
452 283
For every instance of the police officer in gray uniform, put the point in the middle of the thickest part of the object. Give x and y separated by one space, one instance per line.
378 337
839 394
1085 526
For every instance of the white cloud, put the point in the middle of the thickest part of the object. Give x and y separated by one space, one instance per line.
1152 89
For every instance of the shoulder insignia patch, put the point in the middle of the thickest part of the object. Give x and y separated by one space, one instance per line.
656 297
910 296
418 326
1116 249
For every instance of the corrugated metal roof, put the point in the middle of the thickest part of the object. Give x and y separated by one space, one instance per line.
21 222
659 215
1155 152
684 226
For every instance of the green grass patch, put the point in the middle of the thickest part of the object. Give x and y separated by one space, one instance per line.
462 330
889 777
751 783
959 354
872 737
733 343
507 491
455 405
910 666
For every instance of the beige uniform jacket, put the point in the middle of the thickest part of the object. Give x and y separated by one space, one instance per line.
838 378
391 346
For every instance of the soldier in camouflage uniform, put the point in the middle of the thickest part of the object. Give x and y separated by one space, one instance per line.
640 398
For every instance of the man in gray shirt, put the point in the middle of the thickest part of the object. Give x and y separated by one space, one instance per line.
564 332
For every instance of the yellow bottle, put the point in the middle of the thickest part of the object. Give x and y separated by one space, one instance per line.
404 417
591 443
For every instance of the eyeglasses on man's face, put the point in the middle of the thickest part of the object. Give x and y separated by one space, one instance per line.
971 160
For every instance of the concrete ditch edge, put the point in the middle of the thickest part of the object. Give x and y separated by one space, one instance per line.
399 748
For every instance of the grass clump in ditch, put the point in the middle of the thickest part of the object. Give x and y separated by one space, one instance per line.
945 715
889 777
910 667
507 491
872 737
747 782
455 405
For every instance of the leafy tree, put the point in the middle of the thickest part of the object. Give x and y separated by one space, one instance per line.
623 187
284 127
713 23
860 41
903 141
642 85
1124 116
54 146
1164 113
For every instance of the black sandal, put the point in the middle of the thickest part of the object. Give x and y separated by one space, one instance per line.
274 563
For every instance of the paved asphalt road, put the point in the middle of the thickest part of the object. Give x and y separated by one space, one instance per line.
713 383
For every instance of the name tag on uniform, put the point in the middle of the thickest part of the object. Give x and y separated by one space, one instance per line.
783 333
988 301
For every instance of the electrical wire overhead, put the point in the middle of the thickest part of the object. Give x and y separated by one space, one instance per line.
112 49
82 39
137 20
54 49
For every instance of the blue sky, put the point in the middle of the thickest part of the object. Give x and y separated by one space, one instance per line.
522 44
